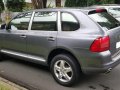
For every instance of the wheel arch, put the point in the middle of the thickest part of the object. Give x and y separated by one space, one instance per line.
61 51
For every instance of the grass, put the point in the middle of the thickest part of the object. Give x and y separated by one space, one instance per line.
7 85
4 87
10 86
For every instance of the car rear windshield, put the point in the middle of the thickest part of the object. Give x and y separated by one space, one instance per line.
105 20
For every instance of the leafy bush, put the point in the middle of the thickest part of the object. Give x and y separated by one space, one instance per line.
1 6
82 3
16 5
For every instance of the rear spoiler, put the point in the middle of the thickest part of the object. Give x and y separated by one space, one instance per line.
99 10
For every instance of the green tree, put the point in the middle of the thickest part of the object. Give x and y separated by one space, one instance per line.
15 5
70 3
1 6
103 1
75 3
108 1
83 3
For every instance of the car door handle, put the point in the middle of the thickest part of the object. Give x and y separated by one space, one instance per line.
23 36
51 39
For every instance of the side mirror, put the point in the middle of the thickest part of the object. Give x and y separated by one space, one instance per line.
3 26
8 27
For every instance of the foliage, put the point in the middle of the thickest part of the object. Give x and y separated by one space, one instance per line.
70 3
82 3
104 1
75 3
28 6
1 6
15 5
3 87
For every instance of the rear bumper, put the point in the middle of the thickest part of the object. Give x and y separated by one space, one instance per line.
100 63
104 69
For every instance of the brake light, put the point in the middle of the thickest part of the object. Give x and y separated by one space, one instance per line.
100 44
100 10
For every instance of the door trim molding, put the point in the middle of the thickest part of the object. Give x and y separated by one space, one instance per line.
33 57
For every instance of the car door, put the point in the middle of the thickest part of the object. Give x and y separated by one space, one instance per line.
14 38
42 36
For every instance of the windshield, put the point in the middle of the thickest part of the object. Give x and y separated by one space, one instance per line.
105 20
114 11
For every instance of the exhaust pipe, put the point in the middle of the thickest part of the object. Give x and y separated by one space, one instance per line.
108 71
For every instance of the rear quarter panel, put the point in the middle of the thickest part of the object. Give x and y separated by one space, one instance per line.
79 41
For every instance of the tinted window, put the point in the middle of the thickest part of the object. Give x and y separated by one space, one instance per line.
69 22
21 22
105 20
44 21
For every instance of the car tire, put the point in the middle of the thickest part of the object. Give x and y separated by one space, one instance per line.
65 69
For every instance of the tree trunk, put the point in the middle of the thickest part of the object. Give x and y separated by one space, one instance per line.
34 3
44 3
58 3
38 4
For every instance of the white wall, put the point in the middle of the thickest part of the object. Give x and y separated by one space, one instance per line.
28 0
63 2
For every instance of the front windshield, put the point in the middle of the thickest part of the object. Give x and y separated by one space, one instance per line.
114 11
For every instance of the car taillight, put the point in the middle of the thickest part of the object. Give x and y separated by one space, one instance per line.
100 44
100 10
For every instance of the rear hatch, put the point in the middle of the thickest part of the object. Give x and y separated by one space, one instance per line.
110 25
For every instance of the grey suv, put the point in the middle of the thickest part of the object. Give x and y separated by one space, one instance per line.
69 41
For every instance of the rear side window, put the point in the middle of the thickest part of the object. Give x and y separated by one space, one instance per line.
105 20
45 21
69 22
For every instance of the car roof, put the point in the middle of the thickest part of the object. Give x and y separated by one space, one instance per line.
67 9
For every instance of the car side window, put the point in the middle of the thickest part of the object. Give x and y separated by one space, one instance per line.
69 22
45 21
21 22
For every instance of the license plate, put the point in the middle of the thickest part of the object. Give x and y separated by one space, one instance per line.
118 45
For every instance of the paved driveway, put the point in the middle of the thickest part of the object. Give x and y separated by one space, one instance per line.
36 77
